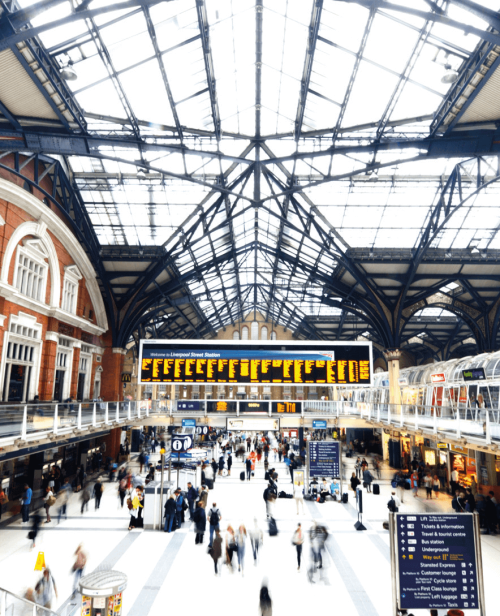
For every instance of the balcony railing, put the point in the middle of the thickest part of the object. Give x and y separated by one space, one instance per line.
25 424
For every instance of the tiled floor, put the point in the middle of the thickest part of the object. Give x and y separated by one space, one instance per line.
168 572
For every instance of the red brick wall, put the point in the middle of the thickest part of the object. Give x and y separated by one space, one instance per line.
112 441
112 364
14 216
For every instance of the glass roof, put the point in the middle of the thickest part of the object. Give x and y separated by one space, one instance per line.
221 94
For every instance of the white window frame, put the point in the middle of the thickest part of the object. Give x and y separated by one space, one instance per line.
33 250
254 329
72 277
66 347
263 330
23 329
87 357
244 332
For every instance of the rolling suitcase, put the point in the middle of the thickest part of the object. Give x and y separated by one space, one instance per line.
242 475
345 497
376 488
273 528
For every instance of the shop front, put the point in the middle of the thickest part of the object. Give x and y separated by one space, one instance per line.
461 461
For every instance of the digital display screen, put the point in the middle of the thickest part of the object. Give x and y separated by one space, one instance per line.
475 374
216 362
287 407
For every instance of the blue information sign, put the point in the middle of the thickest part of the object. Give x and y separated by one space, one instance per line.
319 424
188 405
437 561
324 458
189 423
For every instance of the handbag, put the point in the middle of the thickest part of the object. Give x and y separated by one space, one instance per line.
51 501
129 503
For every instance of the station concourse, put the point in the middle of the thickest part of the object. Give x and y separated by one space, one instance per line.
274 217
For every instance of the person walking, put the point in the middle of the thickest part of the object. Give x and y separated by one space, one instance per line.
354 482
49 500
298 541
62 501
298 495
140 459
256 540
78 566
85 498
200 521
280 451
265 602
367 480
241 539
45 589
454 485
214 466
414 483
229 463
248 467
26 503
169 513
204 495
98 490
231 546
192 495
436 485
221 464
122 490
214 518
428 486
215 551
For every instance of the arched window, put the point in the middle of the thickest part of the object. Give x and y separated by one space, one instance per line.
236 335
263 333
255 330
244 333
273 336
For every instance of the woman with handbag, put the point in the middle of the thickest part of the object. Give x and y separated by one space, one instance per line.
49 500
137 502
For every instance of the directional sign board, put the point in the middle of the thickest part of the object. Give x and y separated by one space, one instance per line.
319 424
324 459
202 430
181 442
188 405
189 423
437 561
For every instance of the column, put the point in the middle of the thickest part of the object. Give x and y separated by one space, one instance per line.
48 366
111 379
392 357
75 369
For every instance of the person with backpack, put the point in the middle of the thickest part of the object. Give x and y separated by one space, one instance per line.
200 522
394 503
214 518
265 602
45 588
98 490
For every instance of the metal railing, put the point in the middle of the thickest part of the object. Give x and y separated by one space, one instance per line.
14 605
24 424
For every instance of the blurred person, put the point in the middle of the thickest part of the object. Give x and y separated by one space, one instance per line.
200 521
85 498
62 501
414 483
229 463
192 495
436 486
265 602
179 500
36 520
248 468
256 540
231 546
354 481
98 490
367 480
45 589
298 541
216 551
204 495
241 539
78 566
122 490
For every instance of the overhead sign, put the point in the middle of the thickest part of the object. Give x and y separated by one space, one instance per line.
189 423
253 423
265 362
181 443
287 407
459 449
438 378
188 405
437 561
324 458
254 406
476 374
221 406
442 445
319 424
202 430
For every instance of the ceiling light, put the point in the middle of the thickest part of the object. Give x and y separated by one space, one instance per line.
68 73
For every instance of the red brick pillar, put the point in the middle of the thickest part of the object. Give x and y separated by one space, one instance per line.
74 372
47 369
111 379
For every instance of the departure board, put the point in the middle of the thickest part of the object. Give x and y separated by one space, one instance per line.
255 362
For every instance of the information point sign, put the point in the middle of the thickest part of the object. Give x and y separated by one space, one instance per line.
437 561
324 458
